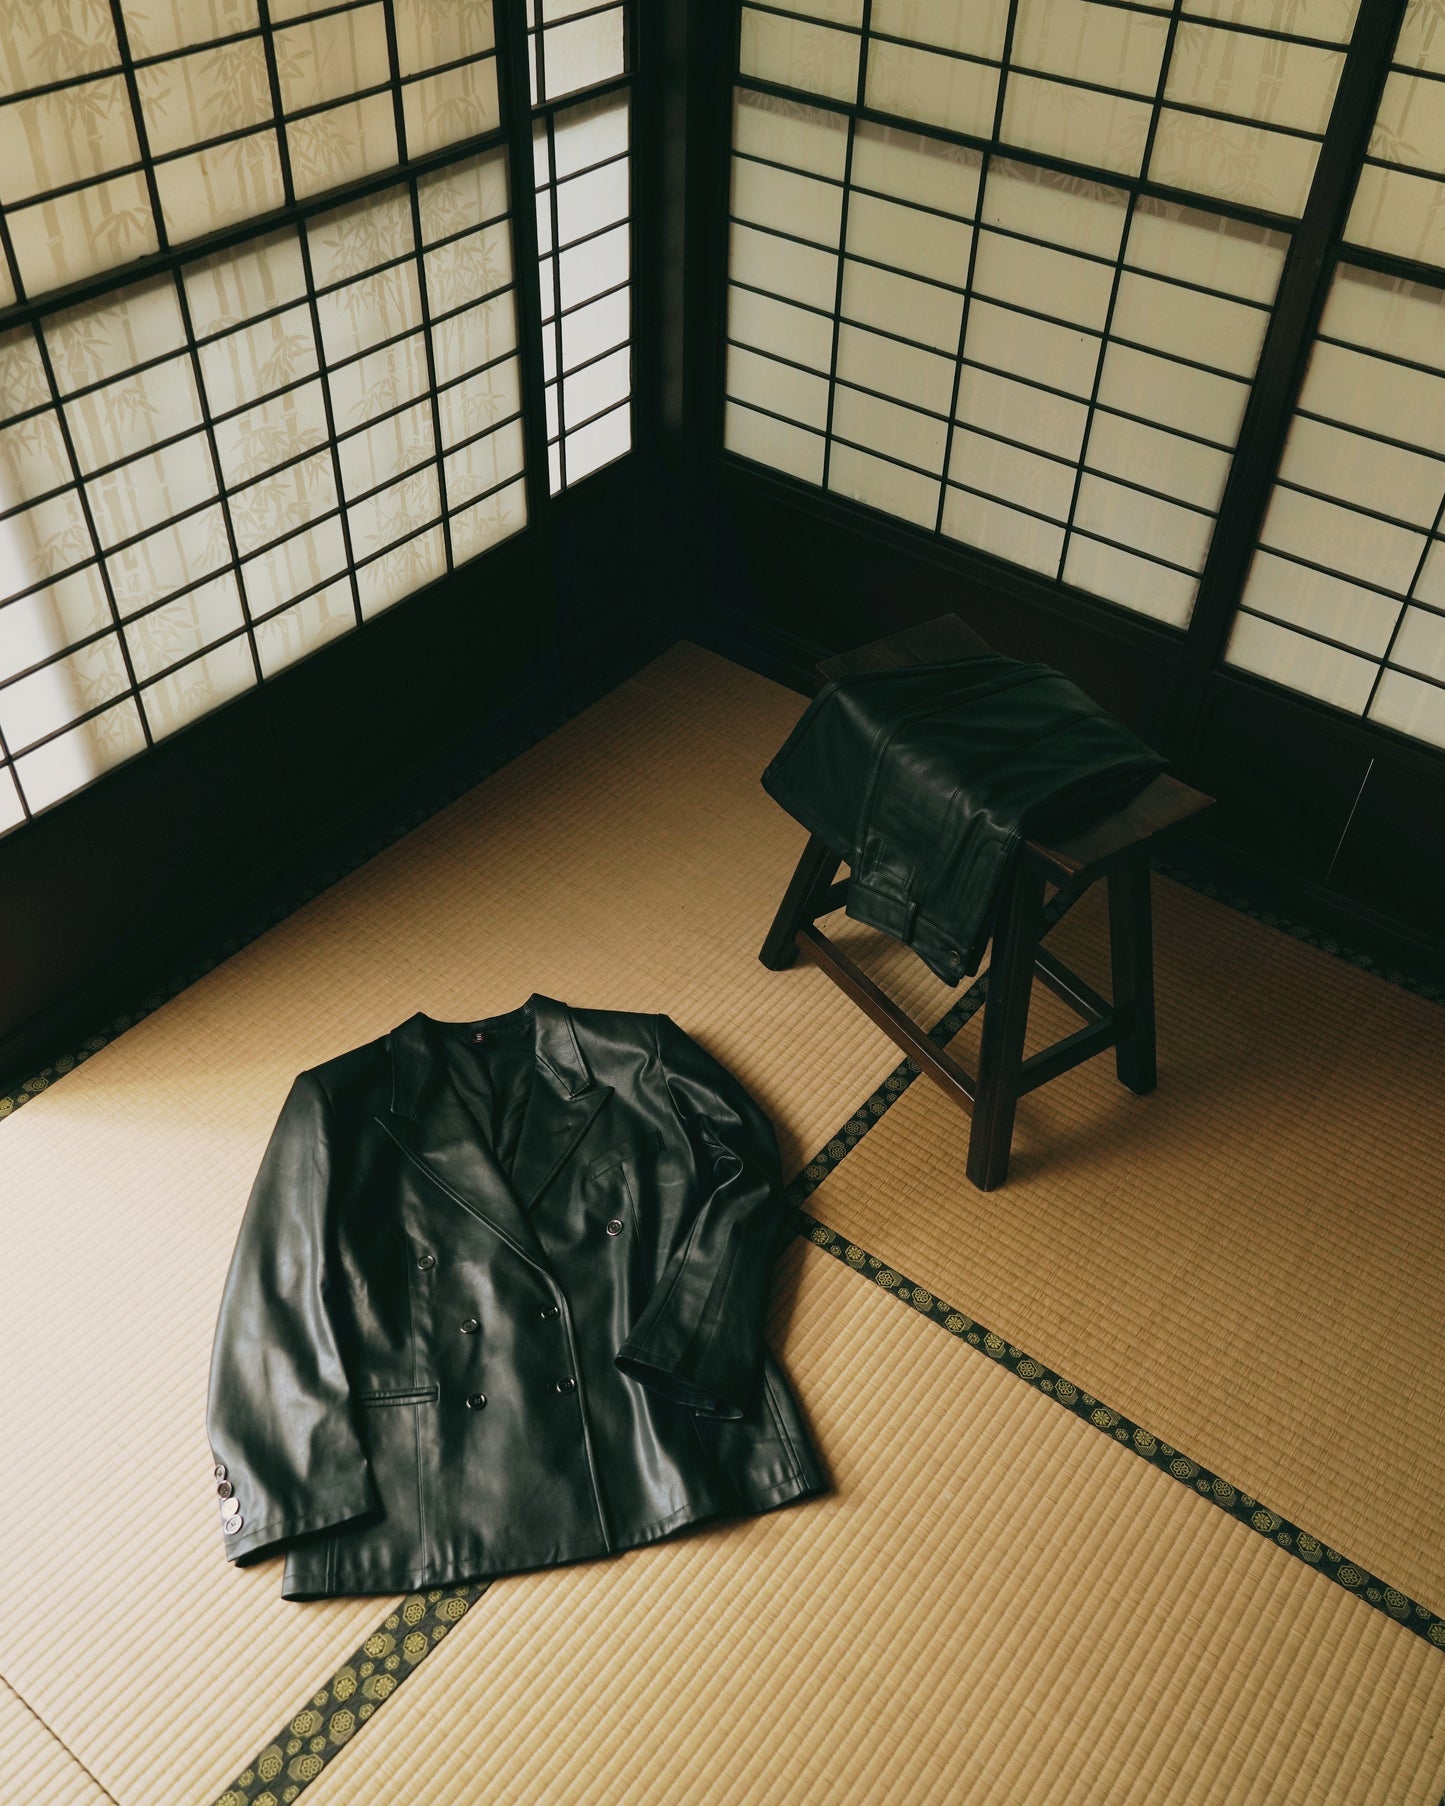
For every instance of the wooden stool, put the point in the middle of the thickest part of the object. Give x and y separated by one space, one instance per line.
1116 846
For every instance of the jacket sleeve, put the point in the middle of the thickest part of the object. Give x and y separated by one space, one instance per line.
700 1341
279 1414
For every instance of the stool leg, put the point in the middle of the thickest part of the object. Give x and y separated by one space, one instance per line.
1131 955
815 872
1005 1020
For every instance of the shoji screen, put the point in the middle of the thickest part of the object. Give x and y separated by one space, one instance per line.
1345 597
582 165
213 459
1004 267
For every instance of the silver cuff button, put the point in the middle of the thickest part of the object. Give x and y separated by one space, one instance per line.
615 1226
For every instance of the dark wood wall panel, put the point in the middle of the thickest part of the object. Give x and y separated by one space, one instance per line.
1287 781
833 577
1392 859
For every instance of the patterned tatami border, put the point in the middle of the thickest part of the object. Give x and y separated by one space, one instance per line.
1153 1448
1135 1437
1301 929
334 1714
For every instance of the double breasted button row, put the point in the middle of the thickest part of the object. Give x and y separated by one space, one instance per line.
476 1401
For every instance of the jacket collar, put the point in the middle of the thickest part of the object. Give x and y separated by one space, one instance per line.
429 1121
416 1059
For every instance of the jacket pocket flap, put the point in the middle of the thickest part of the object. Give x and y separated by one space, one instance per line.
623 1150
413 1395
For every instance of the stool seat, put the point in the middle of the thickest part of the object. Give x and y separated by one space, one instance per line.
1114 845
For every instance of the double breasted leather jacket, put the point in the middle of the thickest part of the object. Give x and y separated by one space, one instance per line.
498 1301
925 778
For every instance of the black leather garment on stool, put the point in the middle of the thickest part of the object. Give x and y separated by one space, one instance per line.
925 778
499 1301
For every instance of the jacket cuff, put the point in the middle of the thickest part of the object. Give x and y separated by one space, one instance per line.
256 1541
670 1381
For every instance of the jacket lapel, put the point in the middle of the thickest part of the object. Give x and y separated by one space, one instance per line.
563 1101
428 1120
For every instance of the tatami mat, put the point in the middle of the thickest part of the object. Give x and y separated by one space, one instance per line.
631 860
1250 1262
34 1766
937 1619
995 1604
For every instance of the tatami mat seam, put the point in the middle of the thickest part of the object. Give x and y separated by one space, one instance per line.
1241 1506
332 1716
50 1731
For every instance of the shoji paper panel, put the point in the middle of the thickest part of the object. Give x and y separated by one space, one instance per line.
574 44
1233 104
1033 364
783 283
1400 201
207 474
209 77
1345 598
1189 315
583 168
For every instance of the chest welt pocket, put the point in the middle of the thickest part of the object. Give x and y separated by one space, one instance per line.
612 1183
623 1152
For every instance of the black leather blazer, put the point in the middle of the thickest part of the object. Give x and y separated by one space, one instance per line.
498 1302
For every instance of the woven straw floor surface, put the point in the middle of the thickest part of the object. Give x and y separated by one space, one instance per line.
1251 1261
996 1601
